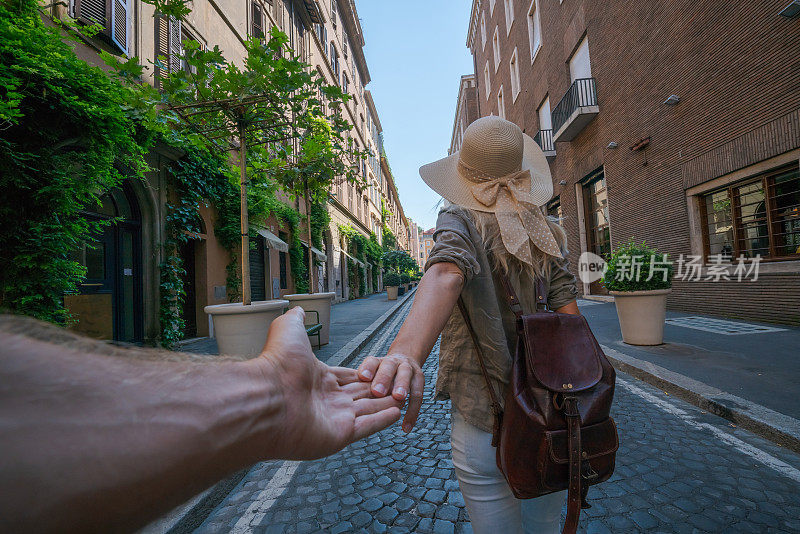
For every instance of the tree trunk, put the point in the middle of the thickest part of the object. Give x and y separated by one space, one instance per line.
310 253
246 297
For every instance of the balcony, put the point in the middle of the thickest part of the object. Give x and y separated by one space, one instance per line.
544 138
576 109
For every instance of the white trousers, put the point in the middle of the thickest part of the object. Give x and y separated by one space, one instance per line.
492 507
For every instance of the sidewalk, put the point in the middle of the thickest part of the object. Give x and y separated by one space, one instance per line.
756 362
348 320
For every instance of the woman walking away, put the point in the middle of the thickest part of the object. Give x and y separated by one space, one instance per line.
492 229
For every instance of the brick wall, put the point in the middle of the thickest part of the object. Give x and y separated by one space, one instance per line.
735 67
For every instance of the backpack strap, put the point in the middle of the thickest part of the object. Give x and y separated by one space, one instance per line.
497 410
540 295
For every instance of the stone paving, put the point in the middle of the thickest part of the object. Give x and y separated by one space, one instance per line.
678 470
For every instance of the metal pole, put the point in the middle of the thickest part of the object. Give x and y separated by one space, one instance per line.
246 297
310 253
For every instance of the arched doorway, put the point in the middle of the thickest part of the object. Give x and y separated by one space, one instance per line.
109 302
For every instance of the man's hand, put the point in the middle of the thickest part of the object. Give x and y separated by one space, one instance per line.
325 408
402 375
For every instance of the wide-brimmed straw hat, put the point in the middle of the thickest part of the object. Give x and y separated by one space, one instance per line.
500 170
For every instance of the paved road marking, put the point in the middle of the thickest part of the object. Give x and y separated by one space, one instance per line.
720 326
266 498
757 454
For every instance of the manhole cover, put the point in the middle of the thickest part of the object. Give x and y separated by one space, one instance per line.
720 326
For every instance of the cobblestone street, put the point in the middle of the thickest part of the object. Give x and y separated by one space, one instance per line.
678 470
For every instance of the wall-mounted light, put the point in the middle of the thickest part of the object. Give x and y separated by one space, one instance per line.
792 10
612 145
672 100
562 182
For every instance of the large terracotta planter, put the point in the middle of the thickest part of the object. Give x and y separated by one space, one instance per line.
242 330
319 302
391 292
641 315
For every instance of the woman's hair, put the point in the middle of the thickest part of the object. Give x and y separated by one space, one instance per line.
489 230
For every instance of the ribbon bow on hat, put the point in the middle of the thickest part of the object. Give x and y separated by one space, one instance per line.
519 218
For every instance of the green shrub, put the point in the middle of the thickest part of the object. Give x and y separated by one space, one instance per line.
629 269
405 278
391 279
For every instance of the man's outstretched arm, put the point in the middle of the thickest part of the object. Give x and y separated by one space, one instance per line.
96 443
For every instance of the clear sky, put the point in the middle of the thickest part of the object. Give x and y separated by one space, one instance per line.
416 53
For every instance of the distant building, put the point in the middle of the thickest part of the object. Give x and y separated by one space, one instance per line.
426 245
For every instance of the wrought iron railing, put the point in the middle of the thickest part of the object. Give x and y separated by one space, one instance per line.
544 138
581 93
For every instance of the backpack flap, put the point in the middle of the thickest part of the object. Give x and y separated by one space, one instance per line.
561 351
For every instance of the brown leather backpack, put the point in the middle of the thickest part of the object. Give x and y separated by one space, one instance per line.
555 432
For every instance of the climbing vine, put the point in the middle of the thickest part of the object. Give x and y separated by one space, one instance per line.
52 167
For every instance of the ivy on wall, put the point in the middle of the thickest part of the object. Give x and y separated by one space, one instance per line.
52 167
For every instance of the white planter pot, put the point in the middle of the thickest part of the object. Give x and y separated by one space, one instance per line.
391 292
641 315
319 302
242 330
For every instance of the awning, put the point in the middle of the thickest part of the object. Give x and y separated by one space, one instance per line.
352 258
321 255
272 240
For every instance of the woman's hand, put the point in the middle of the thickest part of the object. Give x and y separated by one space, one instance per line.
326 408
402 375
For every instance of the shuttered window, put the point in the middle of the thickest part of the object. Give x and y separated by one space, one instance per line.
168 46
113 17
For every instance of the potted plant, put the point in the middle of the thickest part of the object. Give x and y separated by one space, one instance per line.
640 278
391 280
405 279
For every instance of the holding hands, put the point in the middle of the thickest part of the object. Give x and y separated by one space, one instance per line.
400 374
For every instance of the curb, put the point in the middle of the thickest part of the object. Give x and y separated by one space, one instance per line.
774 426
347 353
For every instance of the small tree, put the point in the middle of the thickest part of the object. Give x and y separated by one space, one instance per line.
270 112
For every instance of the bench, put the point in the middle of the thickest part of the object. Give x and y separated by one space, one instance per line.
314 329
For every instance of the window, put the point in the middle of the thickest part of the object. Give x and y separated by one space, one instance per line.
514 67
487 80
334 13
187 35
501 108
496 49
595 198
345 84
344 45
579 64
554 209
544 115
483 30
491 6
114 19
322 35
256 20
760 216
168 46
335 61
509 9
534 30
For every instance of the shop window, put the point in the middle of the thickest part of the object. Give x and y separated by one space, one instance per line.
757 217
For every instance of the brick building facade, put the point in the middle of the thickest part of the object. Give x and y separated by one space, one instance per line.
676 123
